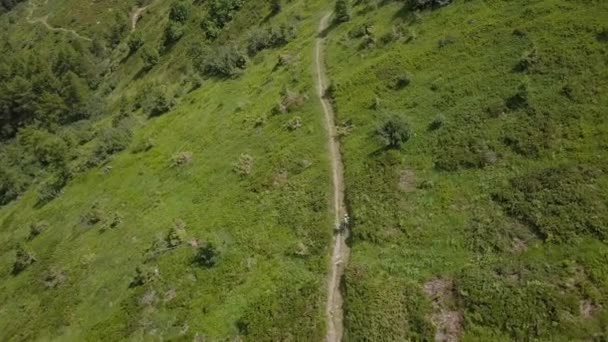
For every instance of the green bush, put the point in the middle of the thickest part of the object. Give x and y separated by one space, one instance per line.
150 57
522 309
110 141
395 132
222 11
23 259
136 41
260 38
559 204
37 228
53 185
458 149
176 235
380 309
223 61
12 184
244 166
437 122
180 11
342 11
173 33
423 4
206 255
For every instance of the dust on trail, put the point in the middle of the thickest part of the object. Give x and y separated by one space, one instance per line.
44 21
334 312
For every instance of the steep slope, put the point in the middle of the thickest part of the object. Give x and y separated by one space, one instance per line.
490 222
214 223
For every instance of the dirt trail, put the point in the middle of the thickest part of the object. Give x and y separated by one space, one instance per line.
341 251
136 16
44 21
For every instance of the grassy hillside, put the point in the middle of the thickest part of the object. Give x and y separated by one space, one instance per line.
213 222
490 222
172 181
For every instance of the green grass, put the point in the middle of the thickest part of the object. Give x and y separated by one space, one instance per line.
470 201
505 200
271 228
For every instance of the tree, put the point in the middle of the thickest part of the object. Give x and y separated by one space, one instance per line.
342 11
395 132
150 57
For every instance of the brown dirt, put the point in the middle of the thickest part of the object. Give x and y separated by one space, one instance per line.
136 15
447 322
340 252
407 180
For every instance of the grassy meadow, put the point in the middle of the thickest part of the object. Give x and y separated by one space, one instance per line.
490 222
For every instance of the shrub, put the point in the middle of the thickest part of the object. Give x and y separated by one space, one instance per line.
437 122
136 41
158 101
290 101
423 4
150 57
113 222
23 259
177 234
224 61
222 11
445 41
111 140
53 278
402 81
93 216
173 33
293 123
275 7
342 11
144 145
260 39
48 149
12 184
520 99
181 159
457 149
559 204
395 131
206 255
528 60
53 185
244 166
37 228
180 11
524 310
144 275
210 29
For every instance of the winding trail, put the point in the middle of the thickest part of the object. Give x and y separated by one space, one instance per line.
44 21
136 16
339 258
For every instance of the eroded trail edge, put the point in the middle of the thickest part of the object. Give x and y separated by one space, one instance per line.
334 312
